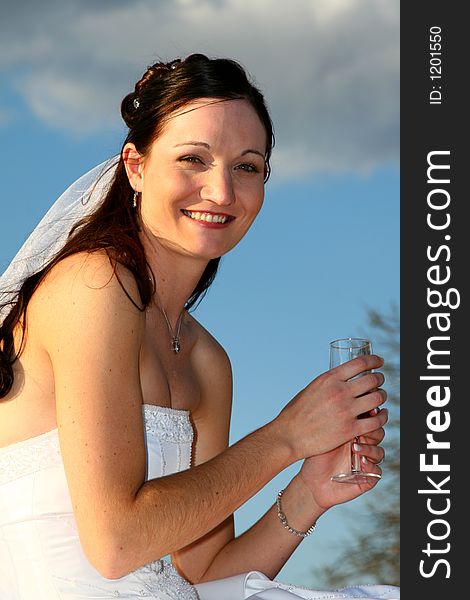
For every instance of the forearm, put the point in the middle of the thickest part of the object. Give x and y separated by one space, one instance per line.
267 545
171 512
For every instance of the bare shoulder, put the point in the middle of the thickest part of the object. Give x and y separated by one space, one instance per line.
92 270
209 356
85 284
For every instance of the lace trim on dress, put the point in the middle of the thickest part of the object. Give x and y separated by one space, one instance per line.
161 577
168 424
30 456
155 580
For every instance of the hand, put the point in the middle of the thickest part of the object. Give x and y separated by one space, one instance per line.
324 415
316 471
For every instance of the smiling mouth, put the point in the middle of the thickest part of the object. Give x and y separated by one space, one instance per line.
207 216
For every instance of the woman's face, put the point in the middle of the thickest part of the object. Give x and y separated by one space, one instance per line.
202 183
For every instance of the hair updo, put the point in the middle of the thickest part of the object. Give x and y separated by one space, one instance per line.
167 87
114 226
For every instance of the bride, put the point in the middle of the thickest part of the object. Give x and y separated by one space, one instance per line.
115 401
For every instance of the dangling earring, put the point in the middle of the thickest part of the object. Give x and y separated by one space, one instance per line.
134 201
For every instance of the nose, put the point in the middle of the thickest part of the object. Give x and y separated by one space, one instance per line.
218 187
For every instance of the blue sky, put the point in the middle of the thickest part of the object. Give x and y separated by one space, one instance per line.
326 244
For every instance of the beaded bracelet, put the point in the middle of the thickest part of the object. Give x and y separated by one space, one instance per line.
283 519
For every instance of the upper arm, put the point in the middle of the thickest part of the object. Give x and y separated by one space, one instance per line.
91 332
211 420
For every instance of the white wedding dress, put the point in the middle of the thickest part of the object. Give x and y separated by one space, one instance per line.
40 553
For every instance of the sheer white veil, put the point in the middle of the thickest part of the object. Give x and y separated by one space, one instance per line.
50 234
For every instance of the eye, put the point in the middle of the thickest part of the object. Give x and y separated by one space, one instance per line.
191 159
248 168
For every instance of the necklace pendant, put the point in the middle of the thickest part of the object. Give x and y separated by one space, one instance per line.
175 343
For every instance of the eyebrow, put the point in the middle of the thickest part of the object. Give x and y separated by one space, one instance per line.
192 143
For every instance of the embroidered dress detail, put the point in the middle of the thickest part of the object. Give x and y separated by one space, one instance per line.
27 457
161 577
157 580
168 424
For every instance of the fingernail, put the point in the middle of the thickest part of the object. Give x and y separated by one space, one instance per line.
364 460
356 447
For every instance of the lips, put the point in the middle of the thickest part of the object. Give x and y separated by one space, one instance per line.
208 217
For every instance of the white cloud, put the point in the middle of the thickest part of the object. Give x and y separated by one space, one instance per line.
329 68
67 103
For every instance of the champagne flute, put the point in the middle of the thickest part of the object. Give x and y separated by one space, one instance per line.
341 351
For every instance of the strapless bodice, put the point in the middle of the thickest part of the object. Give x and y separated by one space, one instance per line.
40 552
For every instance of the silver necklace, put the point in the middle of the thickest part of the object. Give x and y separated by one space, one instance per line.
175 338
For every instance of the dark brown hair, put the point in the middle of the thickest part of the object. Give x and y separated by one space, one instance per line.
114 225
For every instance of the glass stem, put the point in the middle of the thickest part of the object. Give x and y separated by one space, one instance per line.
355 458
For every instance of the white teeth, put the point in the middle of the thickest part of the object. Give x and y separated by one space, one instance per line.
209 218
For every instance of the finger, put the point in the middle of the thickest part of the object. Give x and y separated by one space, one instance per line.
374 454
373 438
366 383
371 467
358 365
370 424
368 402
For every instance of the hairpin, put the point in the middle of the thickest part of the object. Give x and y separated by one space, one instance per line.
136 103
